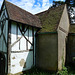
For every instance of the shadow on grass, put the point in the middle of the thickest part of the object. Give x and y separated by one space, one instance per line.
37 71
71 68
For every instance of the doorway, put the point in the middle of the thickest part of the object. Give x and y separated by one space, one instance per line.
2 64
70 49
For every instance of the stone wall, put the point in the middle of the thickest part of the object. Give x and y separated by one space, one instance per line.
47 51
63 30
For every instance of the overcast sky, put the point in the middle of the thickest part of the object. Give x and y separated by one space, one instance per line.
33 6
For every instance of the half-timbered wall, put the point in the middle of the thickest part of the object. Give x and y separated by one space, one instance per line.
22 46
3 34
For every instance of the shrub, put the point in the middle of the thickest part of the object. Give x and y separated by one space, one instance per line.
64 71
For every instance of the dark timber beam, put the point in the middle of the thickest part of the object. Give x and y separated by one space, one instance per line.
24 35
16 41
9 46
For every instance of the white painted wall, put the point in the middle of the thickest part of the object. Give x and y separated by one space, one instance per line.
3 47
16 54
28 59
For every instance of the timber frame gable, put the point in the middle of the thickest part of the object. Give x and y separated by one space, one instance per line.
17 39
24 34
4 37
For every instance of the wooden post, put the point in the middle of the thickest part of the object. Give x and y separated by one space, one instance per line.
9 46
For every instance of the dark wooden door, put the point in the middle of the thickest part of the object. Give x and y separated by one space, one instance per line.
2 64
70 51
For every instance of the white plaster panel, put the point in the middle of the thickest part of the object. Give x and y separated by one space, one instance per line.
30 46
6 14
19 33
26 34
4 30
34 45
2 17
28 58
13 33
30 39
30 35
15 47
6 36
23 44
4 45
13 38
2 14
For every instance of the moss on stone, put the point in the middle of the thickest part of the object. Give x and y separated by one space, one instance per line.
50 19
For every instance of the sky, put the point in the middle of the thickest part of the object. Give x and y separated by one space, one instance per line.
32 6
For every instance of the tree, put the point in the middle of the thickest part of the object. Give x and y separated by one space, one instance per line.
71 9
70 3
67 2
57 3
73 3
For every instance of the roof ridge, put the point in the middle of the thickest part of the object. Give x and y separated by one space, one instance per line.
50 9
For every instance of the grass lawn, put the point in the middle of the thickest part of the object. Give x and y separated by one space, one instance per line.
35 71
70 70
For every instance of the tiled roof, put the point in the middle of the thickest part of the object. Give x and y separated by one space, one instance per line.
50 19
17 14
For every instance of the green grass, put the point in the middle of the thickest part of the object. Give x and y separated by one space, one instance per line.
69 70
35 71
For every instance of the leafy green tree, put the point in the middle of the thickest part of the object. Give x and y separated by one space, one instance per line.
67 2
70 3
57 3
73 3
71 9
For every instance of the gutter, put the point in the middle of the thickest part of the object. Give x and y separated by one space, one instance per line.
47 33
